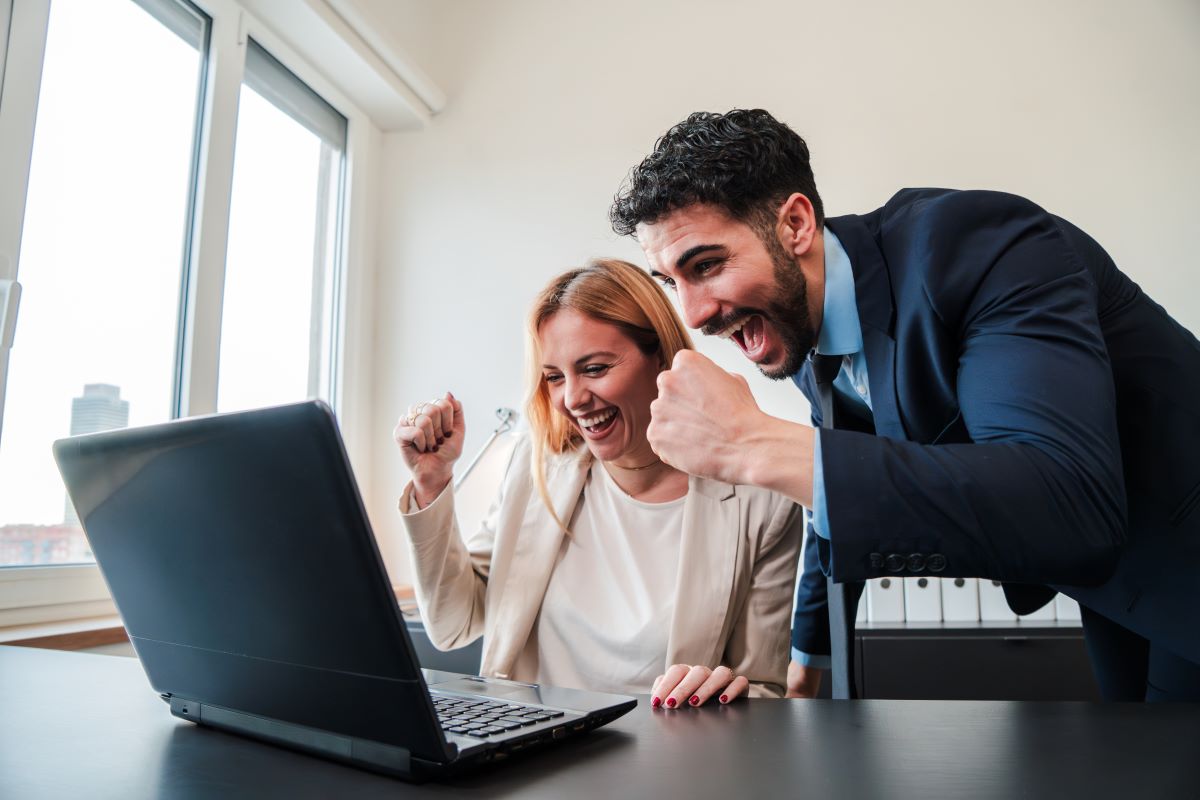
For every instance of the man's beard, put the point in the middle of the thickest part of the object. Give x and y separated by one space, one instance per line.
787 312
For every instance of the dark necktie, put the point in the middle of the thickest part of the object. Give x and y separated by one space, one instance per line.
825 370
841 617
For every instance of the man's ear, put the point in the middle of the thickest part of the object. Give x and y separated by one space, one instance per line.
796 224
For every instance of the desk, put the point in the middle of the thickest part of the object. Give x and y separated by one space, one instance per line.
75 725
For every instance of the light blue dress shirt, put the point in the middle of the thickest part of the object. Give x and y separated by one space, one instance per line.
840 335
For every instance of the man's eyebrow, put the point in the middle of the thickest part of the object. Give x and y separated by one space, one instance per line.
692 252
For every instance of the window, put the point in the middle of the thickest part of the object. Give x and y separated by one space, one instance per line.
105 226
287 172
173 233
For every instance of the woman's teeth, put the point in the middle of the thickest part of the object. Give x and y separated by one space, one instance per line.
597 419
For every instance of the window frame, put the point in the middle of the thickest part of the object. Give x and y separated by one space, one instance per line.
55 593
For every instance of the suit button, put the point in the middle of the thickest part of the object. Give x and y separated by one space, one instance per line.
916 563
936 562
876 560
894 562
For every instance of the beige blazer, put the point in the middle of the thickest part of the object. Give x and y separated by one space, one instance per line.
733 601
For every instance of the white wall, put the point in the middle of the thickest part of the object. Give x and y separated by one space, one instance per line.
1090 108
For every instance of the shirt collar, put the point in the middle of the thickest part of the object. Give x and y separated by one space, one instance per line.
840 332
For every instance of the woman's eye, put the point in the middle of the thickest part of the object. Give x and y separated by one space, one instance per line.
595 369
552 378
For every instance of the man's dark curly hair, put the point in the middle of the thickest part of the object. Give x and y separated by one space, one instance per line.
744 161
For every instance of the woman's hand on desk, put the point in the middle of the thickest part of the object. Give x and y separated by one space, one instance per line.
687 685
430 437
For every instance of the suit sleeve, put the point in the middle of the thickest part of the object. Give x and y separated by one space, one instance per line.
1037 494
450 576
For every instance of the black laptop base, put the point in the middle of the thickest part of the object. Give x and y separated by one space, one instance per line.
391 760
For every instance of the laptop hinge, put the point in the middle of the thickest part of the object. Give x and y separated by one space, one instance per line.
374 755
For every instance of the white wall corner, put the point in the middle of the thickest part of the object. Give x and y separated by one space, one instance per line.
372 72
390 52
367 441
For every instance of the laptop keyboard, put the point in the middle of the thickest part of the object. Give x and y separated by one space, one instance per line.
480 718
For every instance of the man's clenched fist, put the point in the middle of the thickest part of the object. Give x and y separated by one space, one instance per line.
704 419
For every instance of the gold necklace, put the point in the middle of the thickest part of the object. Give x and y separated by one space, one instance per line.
638 469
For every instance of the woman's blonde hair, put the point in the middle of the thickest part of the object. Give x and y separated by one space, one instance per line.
607 290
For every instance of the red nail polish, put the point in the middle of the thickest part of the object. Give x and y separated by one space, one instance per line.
655 702
695 700
440 440
434 448
670 702
724 698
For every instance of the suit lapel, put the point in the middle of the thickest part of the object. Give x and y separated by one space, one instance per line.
534 556
876 316
708 564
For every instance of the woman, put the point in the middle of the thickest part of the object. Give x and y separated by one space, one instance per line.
599 565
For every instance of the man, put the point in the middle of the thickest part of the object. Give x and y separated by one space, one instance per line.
1000 400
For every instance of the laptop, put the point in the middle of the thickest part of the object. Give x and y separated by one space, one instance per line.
240 557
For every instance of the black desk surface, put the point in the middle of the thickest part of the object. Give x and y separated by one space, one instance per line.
76 726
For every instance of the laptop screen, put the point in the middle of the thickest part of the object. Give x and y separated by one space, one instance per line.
242 562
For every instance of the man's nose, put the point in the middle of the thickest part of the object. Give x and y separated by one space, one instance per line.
698 307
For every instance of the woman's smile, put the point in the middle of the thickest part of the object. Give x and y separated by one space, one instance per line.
599 379
598 424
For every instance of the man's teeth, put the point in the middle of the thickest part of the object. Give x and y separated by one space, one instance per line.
734 328
603 416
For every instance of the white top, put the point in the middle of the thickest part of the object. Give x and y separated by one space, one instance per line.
607 612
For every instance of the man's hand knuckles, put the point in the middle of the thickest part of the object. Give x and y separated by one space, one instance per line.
682 357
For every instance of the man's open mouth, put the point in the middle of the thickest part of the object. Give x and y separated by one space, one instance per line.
749 334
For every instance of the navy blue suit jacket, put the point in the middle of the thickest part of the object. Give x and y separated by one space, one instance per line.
1036 419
